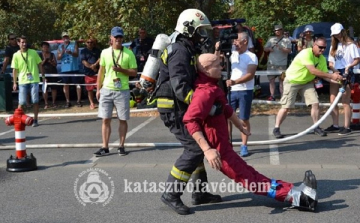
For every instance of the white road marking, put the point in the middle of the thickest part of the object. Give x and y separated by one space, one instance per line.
274 149
4 133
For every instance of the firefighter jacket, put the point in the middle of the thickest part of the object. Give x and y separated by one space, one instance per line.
177 76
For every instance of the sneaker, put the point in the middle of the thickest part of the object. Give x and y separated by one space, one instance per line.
35 123
344 131
332 128
277 133
318 131
271 98
121 151
243 151
102 152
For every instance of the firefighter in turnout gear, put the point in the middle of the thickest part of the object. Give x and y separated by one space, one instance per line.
174 92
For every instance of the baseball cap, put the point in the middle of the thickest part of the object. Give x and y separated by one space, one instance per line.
64 34
309 28
277 27
336 29
117 31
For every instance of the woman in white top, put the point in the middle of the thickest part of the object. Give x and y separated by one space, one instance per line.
343 56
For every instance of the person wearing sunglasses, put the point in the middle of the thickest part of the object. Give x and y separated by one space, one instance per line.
117 64
343 56
306 66
10 49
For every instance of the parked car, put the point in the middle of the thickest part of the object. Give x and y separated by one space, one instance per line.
320 29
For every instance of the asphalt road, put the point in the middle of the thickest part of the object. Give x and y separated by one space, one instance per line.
49 194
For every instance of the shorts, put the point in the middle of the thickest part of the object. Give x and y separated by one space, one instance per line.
71 79
90 80
24 89
109 98
306 91
275 67
242 100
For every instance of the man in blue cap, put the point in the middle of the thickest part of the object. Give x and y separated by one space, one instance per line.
117 64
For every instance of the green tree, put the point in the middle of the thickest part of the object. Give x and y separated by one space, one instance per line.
264 14
96 17
34 19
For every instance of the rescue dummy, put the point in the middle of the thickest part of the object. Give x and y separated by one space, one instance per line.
211 134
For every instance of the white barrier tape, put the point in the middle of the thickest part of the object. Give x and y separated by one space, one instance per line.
355 106
56 83
355 115
224 73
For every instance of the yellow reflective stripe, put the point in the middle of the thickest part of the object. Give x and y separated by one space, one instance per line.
199 169
188 97
148 102
164 56
180 175
165 103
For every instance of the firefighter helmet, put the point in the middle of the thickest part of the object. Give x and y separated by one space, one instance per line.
193 21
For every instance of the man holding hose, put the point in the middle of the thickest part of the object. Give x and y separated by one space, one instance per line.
300 76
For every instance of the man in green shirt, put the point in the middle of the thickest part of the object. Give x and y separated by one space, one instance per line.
117 64
306 66
26 65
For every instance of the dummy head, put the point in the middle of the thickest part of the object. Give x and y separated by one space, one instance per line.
209 64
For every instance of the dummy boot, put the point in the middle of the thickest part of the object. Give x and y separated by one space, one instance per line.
304 197
308 197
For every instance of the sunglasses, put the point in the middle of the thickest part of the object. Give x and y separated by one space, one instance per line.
118 37
12 38
321 47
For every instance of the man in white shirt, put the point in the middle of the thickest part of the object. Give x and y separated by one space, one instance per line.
243 68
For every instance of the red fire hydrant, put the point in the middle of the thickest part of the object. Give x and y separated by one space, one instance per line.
21 162
355 96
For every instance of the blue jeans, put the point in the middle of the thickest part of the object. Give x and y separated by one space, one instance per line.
242 100
24 89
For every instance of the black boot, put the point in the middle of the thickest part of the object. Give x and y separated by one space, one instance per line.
306 201
204 198
175 203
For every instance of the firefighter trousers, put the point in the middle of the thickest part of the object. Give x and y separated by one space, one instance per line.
190 165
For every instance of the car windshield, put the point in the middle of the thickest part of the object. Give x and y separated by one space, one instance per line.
320 28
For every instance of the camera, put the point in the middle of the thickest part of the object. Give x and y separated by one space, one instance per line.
226 38
228 34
